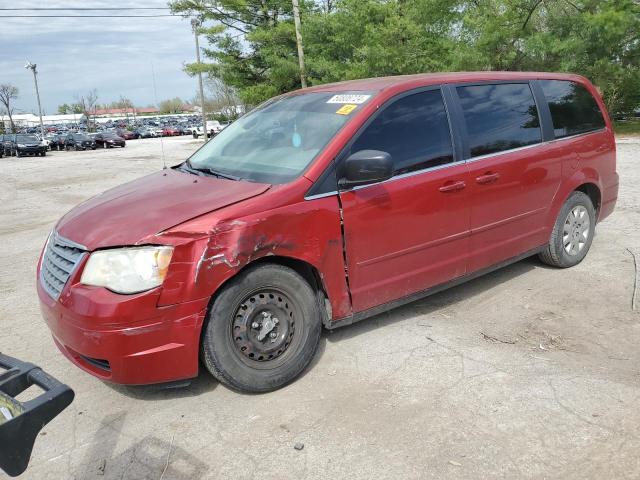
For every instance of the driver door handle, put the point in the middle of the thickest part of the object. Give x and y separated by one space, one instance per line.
452 186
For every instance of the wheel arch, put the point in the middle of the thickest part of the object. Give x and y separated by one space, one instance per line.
593 192
587 181
306 270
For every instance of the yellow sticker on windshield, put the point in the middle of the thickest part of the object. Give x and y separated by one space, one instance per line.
346 109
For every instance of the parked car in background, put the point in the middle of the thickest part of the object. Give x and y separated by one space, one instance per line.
79 141
57 141
49 139
108 140
171 131
5 143
21 145
127 134
213 128
148 133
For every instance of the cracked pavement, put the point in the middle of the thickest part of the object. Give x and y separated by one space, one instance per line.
528 372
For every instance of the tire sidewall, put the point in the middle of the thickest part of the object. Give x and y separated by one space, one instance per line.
219 351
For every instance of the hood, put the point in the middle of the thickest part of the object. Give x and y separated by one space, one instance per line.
127 214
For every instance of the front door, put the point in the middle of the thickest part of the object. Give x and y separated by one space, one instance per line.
411 232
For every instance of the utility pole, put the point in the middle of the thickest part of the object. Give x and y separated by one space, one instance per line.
296 21
32 67
195 24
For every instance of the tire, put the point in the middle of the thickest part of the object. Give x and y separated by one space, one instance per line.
572 233
231 346
43 154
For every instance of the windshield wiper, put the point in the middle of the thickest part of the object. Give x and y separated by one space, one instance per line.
227 176
186 166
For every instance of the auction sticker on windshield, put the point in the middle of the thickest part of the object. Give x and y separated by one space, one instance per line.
346 109
348 98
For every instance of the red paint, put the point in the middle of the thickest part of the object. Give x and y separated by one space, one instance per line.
401 236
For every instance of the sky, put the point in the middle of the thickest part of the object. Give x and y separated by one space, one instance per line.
112 55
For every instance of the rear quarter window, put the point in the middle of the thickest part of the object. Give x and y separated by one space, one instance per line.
573 108
499 117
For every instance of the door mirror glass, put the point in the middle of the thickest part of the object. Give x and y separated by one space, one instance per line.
364 167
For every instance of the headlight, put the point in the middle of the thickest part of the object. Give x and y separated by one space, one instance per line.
127 270
21 145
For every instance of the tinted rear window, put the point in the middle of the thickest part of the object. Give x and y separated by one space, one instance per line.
499 117
414 130
573 108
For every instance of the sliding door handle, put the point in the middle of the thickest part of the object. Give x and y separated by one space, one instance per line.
488 177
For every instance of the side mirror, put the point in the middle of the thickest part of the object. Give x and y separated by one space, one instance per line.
366 166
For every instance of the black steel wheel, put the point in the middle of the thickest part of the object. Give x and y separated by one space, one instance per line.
262 330
264 326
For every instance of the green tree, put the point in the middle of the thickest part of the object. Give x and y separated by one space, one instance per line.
253 50
598 39
64 109
172 105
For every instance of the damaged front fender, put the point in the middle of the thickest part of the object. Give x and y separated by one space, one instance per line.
307 231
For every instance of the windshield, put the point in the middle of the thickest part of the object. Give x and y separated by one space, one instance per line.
26 138
278 140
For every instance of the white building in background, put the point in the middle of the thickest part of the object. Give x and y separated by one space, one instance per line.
31 120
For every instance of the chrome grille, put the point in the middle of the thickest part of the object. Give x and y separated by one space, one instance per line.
59 260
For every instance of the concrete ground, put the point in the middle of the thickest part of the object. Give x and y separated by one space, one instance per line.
529 372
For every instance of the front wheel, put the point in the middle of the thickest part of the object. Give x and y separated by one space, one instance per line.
572 233
263 329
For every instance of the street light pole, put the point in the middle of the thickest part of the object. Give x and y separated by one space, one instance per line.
195 24
32 67
296 21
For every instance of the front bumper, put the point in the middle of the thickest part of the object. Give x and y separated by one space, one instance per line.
31 150
125 339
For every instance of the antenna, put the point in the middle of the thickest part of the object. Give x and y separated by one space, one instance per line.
155 99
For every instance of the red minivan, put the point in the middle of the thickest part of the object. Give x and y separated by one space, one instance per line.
320 208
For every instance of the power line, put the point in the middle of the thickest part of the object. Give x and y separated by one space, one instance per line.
89 16
32 9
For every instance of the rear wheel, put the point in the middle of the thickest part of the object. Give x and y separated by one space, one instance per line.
572 233
263 329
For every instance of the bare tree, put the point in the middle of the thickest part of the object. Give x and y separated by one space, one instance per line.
87 104
223 99
127 105
8 93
